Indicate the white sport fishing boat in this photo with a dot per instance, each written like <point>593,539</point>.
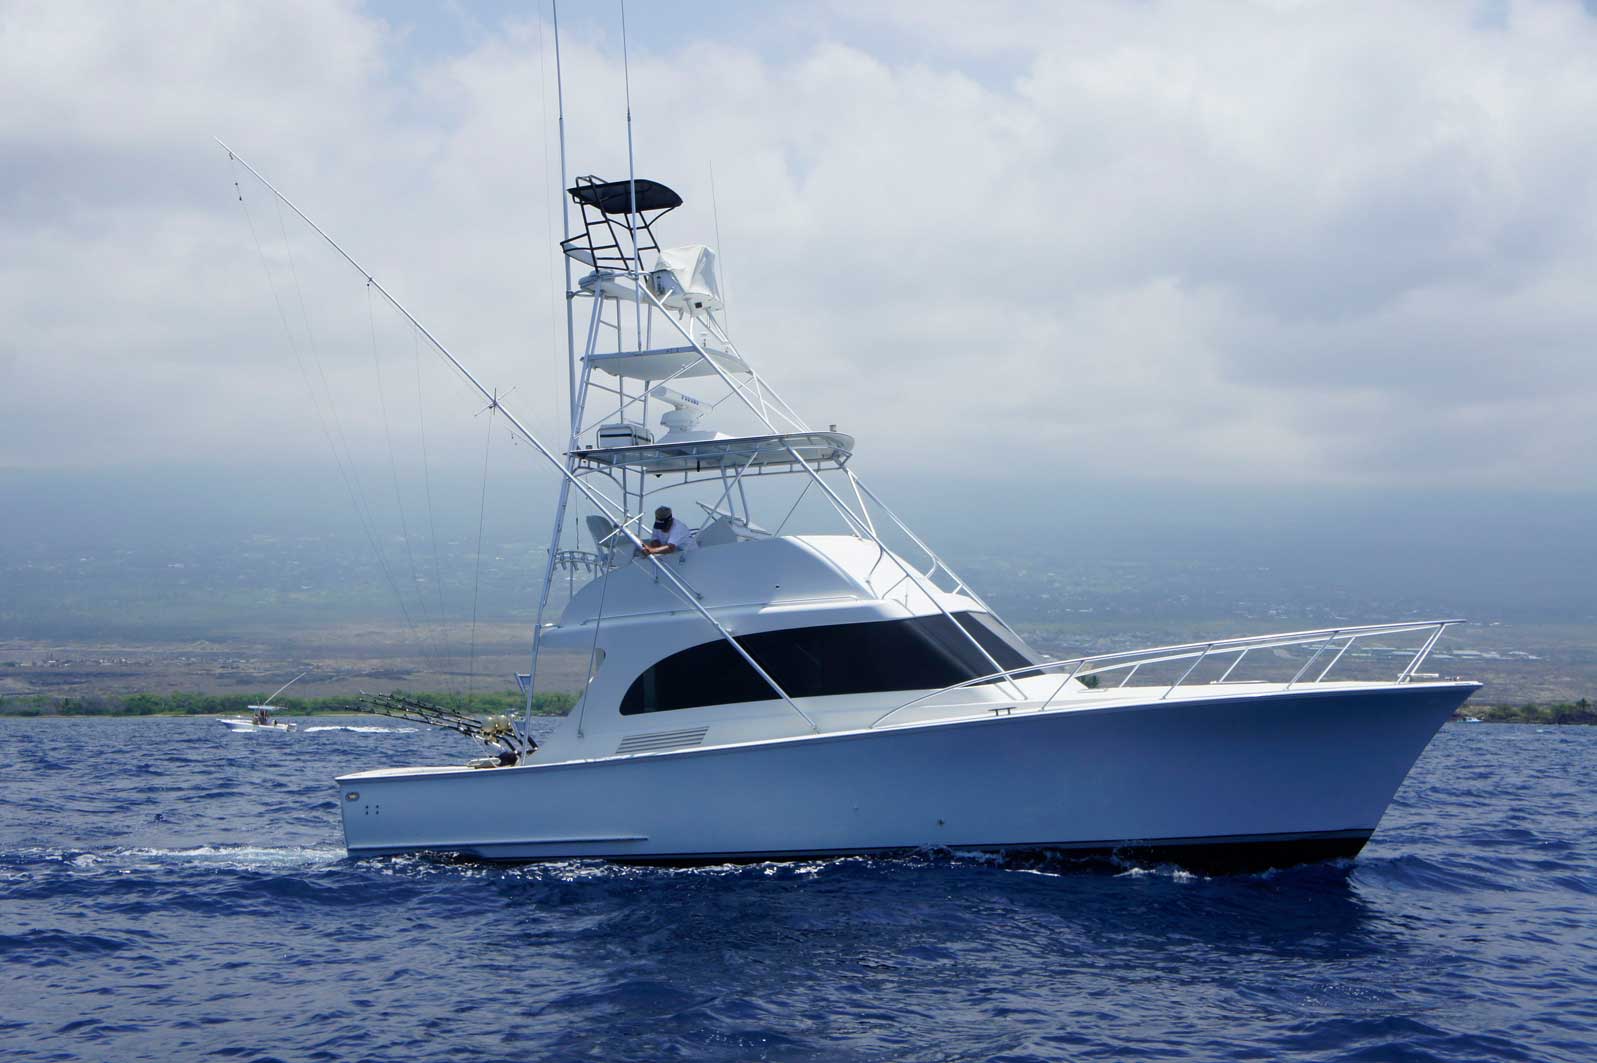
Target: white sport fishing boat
<point>767,692</point>
<point>771,691</point>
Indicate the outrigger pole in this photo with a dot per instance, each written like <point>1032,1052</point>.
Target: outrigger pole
<point>285,686</point>
<point>604,505</point>
<point>571,384</point>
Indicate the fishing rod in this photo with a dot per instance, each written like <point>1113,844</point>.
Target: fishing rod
<point>496,731</point>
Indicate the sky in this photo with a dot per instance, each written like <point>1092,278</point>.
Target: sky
<point>1257,246</point>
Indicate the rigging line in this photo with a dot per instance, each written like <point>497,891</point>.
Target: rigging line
<point>310,388</point>
<point>426,481</point>
<point>282,314</point>
<point>643,398</point>
<point>571,360</point>
<point>548,212</point>
<point>598,622</point>
<point>310,342</point>
<point>476,575</point>
<point>288,331</point>
<point>838,504</point>
<point>764,388</point>
<point>294,345</point>
<point>720,249</point>
<point>358,494</point>
<point>393,469</point>
<point>796,501</point>
<point>678,586</point>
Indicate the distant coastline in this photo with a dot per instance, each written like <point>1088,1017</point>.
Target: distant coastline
<point>1562,712</point>
<point>510,702</point>
<point>188,703</point>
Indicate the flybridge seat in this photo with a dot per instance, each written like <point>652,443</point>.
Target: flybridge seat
<point>726,528</point>
<point>735,452</point>
<point>612,547</point>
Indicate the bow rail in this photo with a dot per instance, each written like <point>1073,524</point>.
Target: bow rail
<point>1130,661</point>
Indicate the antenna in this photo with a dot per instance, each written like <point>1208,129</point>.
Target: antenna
<point>565,222</point>
<point>632,188</point>
<point>720,250</point>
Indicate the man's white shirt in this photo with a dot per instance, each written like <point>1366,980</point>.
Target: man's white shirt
<point>678,535</point>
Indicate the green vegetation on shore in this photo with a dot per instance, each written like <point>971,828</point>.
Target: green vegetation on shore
<point>1582,711</point>
<point>510,702</point>
<point>181,703</point>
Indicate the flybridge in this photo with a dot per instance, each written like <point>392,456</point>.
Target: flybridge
<point>656,323</point>
<point>821,449</point>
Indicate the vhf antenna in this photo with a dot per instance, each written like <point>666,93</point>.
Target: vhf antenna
<point>632,189</point>
<point>565,222</point>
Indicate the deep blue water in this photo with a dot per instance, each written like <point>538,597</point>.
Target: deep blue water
<point>170,891</point>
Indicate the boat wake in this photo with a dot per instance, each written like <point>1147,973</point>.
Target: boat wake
<point>354,729</point>
<point>18,864</point>
<point>224,857</point>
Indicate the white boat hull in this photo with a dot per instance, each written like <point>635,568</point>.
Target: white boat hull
<point>244,726</point>
<point>1256,779</point>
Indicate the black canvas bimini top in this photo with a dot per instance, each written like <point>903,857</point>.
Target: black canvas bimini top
<point>615,197</point>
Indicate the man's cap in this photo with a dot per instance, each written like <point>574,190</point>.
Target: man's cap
<point>663,513</point>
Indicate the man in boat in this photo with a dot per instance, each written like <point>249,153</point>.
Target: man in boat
<point>262,718</point>
<point>670,535</point>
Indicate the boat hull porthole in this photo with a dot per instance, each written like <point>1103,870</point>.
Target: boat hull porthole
<point>353,795</point>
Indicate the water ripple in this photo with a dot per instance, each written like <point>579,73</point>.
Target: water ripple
<point>184,895</point>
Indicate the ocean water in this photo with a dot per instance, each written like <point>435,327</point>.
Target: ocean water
<point>170,891</point>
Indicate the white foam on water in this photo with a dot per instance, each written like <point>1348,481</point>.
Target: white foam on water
<point>1175,874</point>
<point>807,868</point>
<point>362,730</point>
<point>973,856</point>
<point>245,857</point>
<point>230,857</point>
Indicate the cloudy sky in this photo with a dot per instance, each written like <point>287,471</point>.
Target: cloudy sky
<point>1261,244</point>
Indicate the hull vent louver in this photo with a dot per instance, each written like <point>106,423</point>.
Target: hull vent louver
<point>658,740</point>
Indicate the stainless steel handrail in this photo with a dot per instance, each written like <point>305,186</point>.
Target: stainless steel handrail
<point>1135,659</point>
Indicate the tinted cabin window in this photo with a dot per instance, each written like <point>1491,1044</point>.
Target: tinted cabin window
<point>912,654</point>
<point>1004,647</point>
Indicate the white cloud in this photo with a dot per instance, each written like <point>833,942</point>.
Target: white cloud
<point>1264,243</point>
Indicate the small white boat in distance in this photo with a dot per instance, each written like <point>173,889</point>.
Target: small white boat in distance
<point>260,718</point>
<point>240,726</point>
